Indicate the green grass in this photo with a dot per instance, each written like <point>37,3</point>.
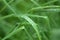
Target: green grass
<point>29,19</point>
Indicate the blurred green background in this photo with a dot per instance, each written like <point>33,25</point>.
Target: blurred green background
<point>29,19</point>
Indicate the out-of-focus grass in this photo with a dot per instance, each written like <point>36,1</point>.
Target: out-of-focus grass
<point>29,19</point>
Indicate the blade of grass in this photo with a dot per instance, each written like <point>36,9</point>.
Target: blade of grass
<point>14,28</point>
<point>42,7</point>
<point>44,17</point>
<point>49,2</point>
<point>10,7</point>
<point>13,32</point>
<point>54,22</point>
<point>37,16</point>
<point>4,17</point>
<point>35,2</point>
<point>5,6</point>
<point>34,25</point>
<point>28,34</point>
<point>47,21</point>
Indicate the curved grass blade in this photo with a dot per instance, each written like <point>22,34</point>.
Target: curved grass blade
<point>34,25</point>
